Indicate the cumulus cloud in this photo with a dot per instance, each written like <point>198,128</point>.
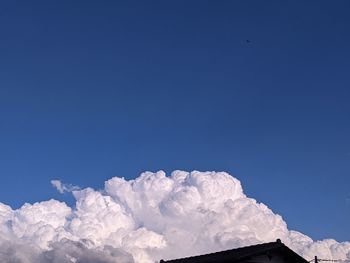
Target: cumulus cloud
<point>149,218</point>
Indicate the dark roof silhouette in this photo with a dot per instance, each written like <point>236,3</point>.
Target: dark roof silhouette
<point>245,254</point>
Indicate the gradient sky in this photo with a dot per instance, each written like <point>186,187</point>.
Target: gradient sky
<point>95,89</point>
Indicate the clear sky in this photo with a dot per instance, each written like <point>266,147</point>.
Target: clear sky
<point>95,89</point>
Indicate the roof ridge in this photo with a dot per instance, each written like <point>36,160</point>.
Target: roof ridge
<point>277,242</point>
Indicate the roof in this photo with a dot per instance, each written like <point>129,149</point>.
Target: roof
<point>244,253</point>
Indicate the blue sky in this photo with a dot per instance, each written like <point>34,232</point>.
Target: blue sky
<point>92,90</point>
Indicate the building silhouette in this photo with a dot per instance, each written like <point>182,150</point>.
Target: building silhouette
<point>273,252</point>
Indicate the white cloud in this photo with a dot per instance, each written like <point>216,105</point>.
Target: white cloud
<point>60,187</point>
<point>151,217</point>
